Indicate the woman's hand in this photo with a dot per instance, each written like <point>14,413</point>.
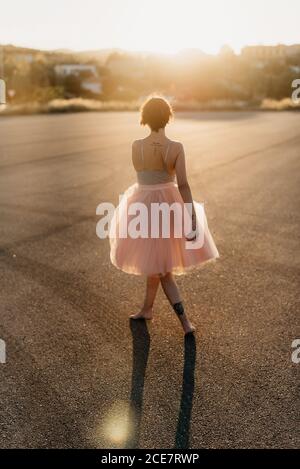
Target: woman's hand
<point>191,239</point>
<point>193,234</point>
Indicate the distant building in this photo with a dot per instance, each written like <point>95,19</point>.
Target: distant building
<point>90,78</point>
<point>92,85</point>
<point>27,58</point>
<point>263,53</point>
<point>295,68</point>
<point>2,92</point>
<point>74,69</point>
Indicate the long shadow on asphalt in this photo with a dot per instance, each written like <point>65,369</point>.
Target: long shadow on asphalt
<point>187,393</point>
<point>141,346</point>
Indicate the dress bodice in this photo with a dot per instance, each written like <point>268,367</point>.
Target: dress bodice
<point>155,176</point>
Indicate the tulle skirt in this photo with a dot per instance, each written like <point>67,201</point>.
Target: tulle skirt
<point>151,250</point>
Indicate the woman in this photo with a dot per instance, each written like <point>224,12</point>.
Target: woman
<point>157,160</point>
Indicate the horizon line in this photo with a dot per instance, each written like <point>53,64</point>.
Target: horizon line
<point>147,51</point>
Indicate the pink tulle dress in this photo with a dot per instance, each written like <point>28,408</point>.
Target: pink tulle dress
<point>145,254</point>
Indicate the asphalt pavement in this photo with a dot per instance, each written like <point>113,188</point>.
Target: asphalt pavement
<point>78,373</point>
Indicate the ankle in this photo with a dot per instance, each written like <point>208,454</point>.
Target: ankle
<point>184,319</point>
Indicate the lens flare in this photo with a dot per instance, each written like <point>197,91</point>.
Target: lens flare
<point>118,423</point>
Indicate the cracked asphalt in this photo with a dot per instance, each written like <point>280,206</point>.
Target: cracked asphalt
<point>78,373</point>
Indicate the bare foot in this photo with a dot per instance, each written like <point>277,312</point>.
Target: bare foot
<point>143,314</point>
<point>187,326</point>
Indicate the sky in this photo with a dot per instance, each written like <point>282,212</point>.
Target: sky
<point>166,26</point>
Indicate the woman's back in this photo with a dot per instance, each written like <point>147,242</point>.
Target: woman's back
<point>148,230</point>
<point>152,162</point>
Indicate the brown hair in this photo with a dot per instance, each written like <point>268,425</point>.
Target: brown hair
<point>156,111</point>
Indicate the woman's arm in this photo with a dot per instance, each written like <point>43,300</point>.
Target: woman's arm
<point>183,184</point>
<point>133,153</point>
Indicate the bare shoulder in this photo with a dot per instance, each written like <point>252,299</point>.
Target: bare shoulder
<point>177,146</point>
<point>135,148</point>
<point>135,143</point>
<point>135,151</point>
<point>178,149</point>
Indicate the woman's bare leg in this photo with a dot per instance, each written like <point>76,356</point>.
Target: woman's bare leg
<point>171,291</point>
<point>146,311</point>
